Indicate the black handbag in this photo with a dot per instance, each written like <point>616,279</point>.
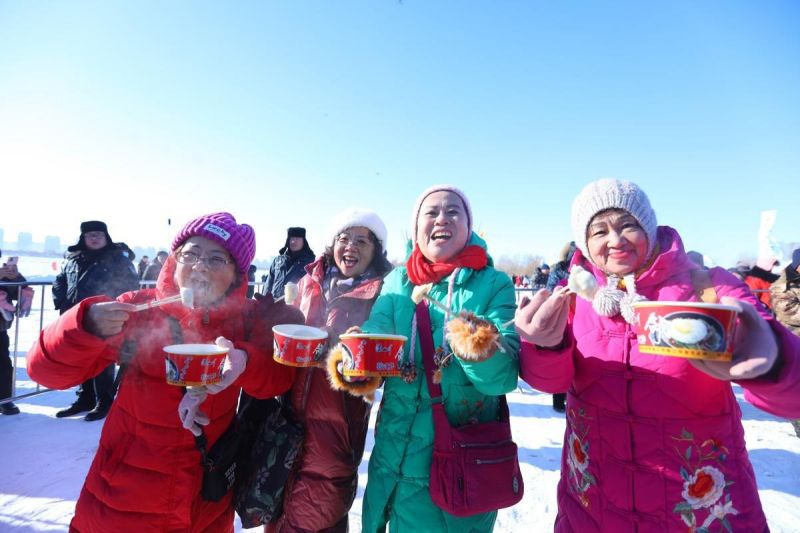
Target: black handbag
<point>220,463</point>
<point>274,438</point>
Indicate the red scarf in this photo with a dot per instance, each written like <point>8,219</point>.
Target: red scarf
<point>421,271</point>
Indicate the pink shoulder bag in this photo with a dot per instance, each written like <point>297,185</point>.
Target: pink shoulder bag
<point>475,468</point>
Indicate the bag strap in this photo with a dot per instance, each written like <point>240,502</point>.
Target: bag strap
<point>703,287</point>
<point>425,332</point>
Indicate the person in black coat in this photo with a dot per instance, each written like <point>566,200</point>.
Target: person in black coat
<point>95,265</point>
<point>8,272</point>
<point>290,265</point>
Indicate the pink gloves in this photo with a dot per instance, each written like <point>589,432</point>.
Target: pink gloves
<point>755,348</point>
<point>25,301</point>
<point>189,408</point>
<point>235,364</point>
<point>541,320</point>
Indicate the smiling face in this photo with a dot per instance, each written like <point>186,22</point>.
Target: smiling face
<point>617,243</point>
<point>353,250</point>
<point>208,284</point>
<point>442,226</point>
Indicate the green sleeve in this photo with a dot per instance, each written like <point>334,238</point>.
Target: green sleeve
<point>498,374</point>
<point>382,316</point>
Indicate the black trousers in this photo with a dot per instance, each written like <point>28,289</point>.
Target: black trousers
<point>6,368</point>
<point>98,390</point>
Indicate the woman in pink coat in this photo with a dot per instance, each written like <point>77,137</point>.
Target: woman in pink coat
<point>652,443</point>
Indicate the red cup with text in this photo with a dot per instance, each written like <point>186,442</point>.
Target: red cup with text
<point>298,345</point>
<point>367,354</point>
<point>692,330</point>
<point>190,365</point>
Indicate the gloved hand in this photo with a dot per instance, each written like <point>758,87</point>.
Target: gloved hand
<point>541,320</point>
<point>235,363</point>
<point>6,308</point>
<point>25,301</point>
<point>191,418</point>
<point>106,319</point>
<point>357,386</point>
<point>473,338</point>
<point>755,348</point>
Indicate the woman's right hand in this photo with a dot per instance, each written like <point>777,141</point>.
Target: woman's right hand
<point>106,319</point>
<point>541,320</point>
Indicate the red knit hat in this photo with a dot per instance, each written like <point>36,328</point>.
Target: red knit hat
<point>238,239</point>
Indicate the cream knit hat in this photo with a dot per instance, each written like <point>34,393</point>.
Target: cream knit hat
<point>609,193</point>
<point>437,188</point>
<point>358,217</point>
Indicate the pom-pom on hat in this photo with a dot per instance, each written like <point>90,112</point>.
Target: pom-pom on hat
<point>437,188</point>
<point>238,239</point>
<point>355,217</point>
<point>609,193</point>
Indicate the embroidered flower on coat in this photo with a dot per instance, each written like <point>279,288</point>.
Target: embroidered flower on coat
<point>704,485</point>
<point>580,479</point>
<point>578,454</point>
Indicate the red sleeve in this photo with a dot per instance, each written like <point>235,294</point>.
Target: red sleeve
<point>264,377</point>
<point>546,370</point>
<point>65,354</point>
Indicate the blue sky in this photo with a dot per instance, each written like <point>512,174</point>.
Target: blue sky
<point>285,113</point>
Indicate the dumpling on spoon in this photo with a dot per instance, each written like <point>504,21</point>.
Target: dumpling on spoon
<point>582,283</point>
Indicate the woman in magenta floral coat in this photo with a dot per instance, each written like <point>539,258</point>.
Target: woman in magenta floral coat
<point>652,443</point>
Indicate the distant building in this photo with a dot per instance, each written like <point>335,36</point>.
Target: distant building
<point>52,244</point>
<point>25,242</point>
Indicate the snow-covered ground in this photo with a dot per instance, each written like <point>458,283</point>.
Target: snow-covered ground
<point>44,460</point>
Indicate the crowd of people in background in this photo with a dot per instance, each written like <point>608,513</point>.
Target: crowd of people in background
<point>620,405</point>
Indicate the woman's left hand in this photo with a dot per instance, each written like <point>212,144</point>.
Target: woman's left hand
<point>755,347</point>
<point>235,363</point>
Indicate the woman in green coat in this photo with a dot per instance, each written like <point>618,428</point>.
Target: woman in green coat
<point>451,258</point>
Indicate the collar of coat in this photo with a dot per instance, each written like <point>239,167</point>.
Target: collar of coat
<point>366,290</point>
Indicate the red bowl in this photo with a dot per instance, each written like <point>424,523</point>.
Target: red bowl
<point>693,330</point>
<point>298,345</point>
<point>367,354</point>
<point>194,364</point>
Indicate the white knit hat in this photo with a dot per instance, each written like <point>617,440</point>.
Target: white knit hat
<point>437,188</point>
<point>358,217</point>
<point>609,193</point>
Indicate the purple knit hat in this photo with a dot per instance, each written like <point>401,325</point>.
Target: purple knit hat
<point>238,239</point>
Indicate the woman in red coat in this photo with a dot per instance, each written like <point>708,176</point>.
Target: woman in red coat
<point>337,292</point>
<point>146,475</point>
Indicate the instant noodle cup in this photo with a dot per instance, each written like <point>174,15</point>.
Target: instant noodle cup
<point>190,365</point>
<point>693,330</point>
<point>298,345</point>
<point>367,354</point>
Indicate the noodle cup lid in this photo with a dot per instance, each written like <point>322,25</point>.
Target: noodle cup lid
<point>374,336</point>
<point>195,349</point>
<point>299,332</point>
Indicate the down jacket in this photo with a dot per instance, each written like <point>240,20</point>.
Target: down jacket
<point>146,475</point>
<point>399,466</point>
<point>651,443</point>
<point>322,485</point>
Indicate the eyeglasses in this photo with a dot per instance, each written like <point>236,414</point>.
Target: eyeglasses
<point>215,262</point>
<point>344,241</point>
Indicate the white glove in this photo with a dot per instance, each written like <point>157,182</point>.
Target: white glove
<point>191,418</point>
<point>235,363</point>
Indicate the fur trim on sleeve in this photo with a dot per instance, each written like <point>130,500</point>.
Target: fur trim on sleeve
<point>472,338</point>
<point>366,389</point>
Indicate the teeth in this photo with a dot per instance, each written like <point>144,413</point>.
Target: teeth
<point>441,235</point>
